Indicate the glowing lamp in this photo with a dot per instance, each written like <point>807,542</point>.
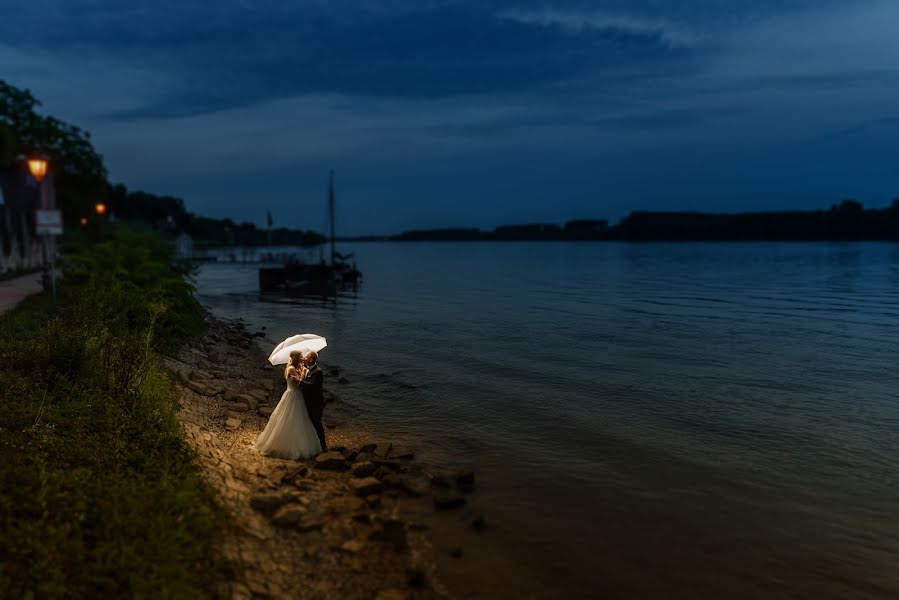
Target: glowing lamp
<point>83,221</point>
<point>38,168</point>
<point>100,208</point>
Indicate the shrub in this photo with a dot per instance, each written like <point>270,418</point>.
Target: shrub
<point>99,494</point>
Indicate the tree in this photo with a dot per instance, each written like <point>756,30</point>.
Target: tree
<point>79,172</point>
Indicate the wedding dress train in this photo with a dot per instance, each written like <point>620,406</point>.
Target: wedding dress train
<point>289,433</point>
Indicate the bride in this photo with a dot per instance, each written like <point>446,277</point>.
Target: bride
<point>289,433</point>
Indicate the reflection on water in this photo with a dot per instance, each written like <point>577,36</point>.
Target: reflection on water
<point>674,420</point>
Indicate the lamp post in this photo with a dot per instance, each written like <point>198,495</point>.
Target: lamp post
<point>100,209</point>
<point>37,166</point>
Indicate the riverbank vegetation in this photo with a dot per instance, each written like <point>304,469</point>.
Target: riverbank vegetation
<point>99,494</point>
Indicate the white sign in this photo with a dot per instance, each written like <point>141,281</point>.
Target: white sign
<point>48,222</point>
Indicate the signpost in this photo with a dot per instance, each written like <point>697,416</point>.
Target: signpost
<point>47,223</point>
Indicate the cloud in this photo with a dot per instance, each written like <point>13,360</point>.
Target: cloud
<point>670,33</point>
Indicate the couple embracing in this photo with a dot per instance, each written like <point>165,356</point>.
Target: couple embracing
<point>294,429</point>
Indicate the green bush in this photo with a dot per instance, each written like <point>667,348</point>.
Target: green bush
<point>99,494</point>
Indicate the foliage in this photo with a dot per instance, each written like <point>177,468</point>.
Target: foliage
<point>99,494</point>
<point>79,171</point>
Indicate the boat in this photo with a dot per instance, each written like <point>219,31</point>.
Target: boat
<point>295,275</point>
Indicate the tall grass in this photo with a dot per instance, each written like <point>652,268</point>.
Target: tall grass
<point>99,494</point>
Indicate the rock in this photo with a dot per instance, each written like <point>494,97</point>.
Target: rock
<point>232,423</point>
<point>373,501</point>
<point>231,396</point>
<point>367,448</point>
<point>289,514</point>
<point>343,380</point>
<point>363,518</point>
<point>230,414</point>
<point>448,501</point>
<point>200,388</point>
<point>347,504</point>
<point>366,486</point>
<point>322,588</point>
<point>394,533</point>
<point>259,334</point>
<point>456,552</point>
<point>404,455</point>
<point>334,371</point>
<point>330,461</point>
<point>269,502</point>
<point>389,479</point>
<point>265,411</point>
<point>307,525</point>
<point>294,475</point>
<point>237,407</point>
<point>363,469</point>
<point>479,524</point>
<point>353,546</point>
<point>382,449</point>
<point>250,401</point>
<point>391,594</point>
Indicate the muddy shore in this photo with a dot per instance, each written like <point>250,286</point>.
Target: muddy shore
<point>349,523</point>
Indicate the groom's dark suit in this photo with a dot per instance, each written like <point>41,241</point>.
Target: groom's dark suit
<point>315,401</point>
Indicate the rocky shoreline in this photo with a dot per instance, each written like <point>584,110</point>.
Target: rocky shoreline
<point>345,524</point>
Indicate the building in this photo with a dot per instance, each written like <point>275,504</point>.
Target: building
<point>184,246</point>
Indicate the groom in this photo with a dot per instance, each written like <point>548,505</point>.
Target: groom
<point>312,394</point>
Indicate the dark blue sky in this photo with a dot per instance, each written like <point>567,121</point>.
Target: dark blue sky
<point>473,112</point>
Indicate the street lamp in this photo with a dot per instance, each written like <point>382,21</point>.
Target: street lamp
<point>100,209</point>
<point>38,168</point>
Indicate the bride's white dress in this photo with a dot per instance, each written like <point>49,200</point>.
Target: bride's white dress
<point>289,432</point>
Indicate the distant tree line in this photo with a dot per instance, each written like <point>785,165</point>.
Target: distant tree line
<point>81,181</point>
<point>848,220</point>
<point>169,213</point>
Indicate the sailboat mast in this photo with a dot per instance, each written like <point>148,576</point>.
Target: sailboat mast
<point>331,212</point>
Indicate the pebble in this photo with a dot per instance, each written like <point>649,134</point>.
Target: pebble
<point>363,469</point>
<point>330,461</point>
<point>290,514</point>
<point>353,546</point>
<point>366,486</point>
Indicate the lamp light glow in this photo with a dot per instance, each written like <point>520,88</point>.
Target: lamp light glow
<point>38,168</point>
<point>100,208</point>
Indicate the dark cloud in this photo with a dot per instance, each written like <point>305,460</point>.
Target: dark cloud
<point>607,104</point>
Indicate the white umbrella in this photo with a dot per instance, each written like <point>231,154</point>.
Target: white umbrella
<point>305,342</point>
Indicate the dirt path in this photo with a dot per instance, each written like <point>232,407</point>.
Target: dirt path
<point>342,525</point>
<point>15,290</point>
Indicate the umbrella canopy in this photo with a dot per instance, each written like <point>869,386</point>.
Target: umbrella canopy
<point>305,342</point>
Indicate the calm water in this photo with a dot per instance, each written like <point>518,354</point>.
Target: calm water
<point>655,420</point>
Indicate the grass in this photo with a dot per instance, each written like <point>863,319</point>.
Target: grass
<point>99,494</point>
